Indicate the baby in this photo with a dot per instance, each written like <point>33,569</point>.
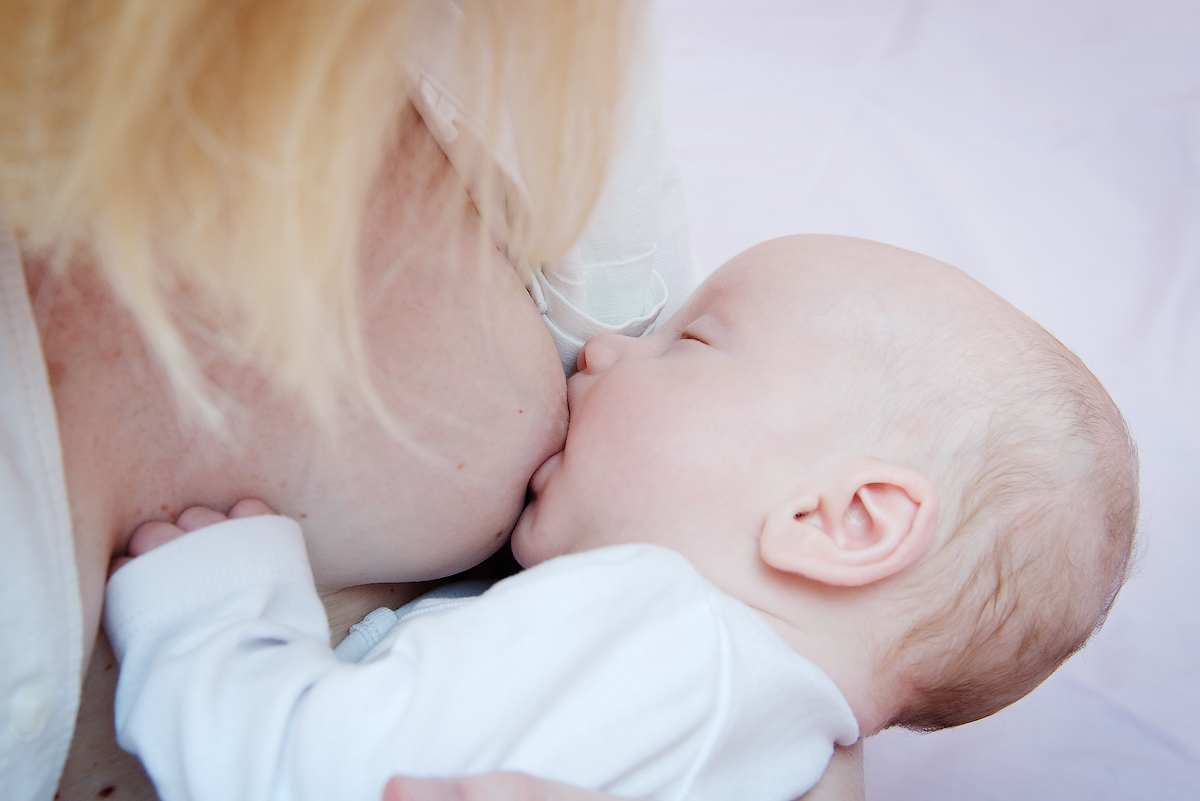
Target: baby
<point>845,487</point>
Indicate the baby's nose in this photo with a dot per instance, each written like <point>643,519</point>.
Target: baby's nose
<point>602,352</point>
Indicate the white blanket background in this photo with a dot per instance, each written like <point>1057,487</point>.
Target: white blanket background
<point>1051,148</point>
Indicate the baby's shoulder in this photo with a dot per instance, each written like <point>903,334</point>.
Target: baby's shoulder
<point>636,570</point>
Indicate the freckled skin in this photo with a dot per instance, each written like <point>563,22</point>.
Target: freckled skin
<point>455,345</point>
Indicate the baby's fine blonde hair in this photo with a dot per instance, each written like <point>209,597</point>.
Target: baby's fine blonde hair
<point>1038,478</point>
<point>223,151</point>
<point>1035,471</point>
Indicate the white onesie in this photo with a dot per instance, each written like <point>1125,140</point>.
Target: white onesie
<point>619,669</point>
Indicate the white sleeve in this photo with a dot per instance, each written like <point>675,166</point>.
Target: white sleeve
<point>229,689</point>
<point>200,626</point>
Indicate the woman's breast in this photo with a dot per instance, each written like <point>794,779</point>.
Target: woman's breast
<point>467,373</point>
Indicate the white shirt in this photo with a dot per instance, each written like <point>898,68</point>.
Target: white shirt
<point>619,669</point>
<point>41,613</point>
<point>633,265</point>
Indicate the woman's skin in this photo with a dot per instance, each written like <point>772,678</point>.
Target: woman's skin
<point>842,780</point>
<point>458,352</point>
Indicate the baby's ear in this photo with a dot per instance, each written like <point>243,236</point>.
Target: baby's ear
<point>864,522</point>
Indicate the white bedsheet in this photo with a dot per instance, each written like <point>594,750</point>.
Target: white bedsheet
<point>1052,149</point>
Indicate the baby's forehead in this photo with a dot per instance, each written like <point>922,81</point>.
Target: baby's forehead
<point>825,271</point>
<point>870,307</point>
<point>811,288</point>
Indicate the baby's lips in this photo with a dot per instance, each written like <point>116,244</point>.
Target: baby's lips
<point>542,474</point>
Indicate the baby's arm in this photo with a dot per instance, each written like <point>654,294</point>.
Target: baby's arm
<point>191,619</point>
<point>229,689</point>
<point>490,787</point>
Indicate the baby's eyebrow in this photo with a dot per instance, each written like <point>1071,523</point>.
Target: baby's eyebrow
<point>705,327</point>
<point>675,327</point>
<point>713,318</point>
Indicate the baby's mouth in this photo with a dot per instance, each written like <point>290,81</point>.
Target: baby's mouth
<point>540,476</point>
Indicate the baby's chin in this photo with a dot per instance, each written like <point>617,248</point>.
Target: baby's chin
<point>524,541</point>
<point>521,536</point>
<point>537,538</point>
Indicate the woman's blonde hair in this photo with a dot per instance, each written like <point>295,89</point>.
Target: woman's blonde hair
<point>225,149</point>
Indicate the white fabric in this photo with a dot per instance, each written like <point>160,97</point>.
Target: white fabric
<point>632,267</point>
<point>366,634</point>
<point>619,669</point>
<point>40,608</point>
<point>1050,148</point>
<point>41,616</point>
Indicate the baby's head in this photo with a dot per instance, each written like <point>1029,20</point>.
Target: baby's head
<point>922,490</point>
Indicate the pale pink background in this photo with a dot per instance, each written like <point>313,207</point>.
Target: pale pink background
<point>1052,149</point>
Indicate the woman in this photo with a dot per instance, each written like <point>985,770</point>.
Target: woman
<point>240,264</point>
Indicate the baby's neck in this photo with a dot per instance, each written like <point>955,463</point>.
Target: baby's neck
<point>831,627</point>
<point>845,666</point>
<point>835,628</point>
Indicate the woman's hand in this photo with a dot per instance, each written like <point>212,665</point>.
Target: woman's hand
<point>489,787</point>
<point>843,779</point>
